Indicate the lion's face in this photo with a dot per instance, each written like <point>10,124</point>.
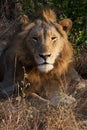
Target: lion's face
<point>46,44</point>
<point>45,39</point>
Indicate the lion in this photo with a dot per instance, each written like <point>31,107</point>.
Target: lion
<point>40,57</point>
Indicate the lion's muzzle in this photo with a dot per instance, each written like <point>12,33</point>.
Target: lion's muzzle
<point>45,66</point>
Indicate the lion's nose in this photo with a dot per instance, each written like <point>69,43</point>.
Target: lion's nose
<point>45,55</point>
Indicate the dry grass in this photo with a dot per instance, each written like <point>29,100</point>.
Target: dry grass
<point>18,114</point>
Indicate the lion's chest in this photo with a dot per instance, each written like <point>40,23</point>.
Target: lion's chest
<point>43,86</point>
<point>51,86</point>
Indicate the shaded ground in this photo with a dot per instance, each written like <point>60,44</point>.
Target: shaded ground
<point>81,62</point>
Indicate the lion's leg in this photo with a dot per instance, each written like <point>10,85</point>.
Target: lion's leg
<point>37,101</point>
<point>36,96</point>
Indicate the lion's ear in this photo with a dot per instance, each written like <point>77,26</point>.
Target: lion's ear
<point>23,20</point>
<point>66,24</point>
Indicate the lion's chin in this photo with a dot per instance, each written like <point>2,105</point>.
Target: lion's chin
<point>45,67</point>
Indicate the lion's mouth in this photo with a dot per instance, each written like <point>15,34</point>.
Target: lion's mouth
<point>44,63</point>
<point>45,67</point>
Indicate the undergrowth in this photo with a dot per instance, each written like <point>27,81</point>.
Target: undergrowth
<point>19,113</point>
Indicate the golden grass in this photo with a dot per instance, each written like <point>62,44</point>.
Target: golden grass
<point>21,114</point>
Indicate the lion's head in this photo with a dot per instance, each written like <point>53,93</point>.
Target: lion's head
<point>47,43</point>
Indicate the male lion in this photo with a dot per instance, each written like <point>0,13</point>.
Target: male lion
<point>41,57</point>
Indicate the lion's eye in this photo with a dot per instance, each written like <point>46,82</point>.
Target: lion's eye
<point>53,38</point>
<point>35,39</point>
